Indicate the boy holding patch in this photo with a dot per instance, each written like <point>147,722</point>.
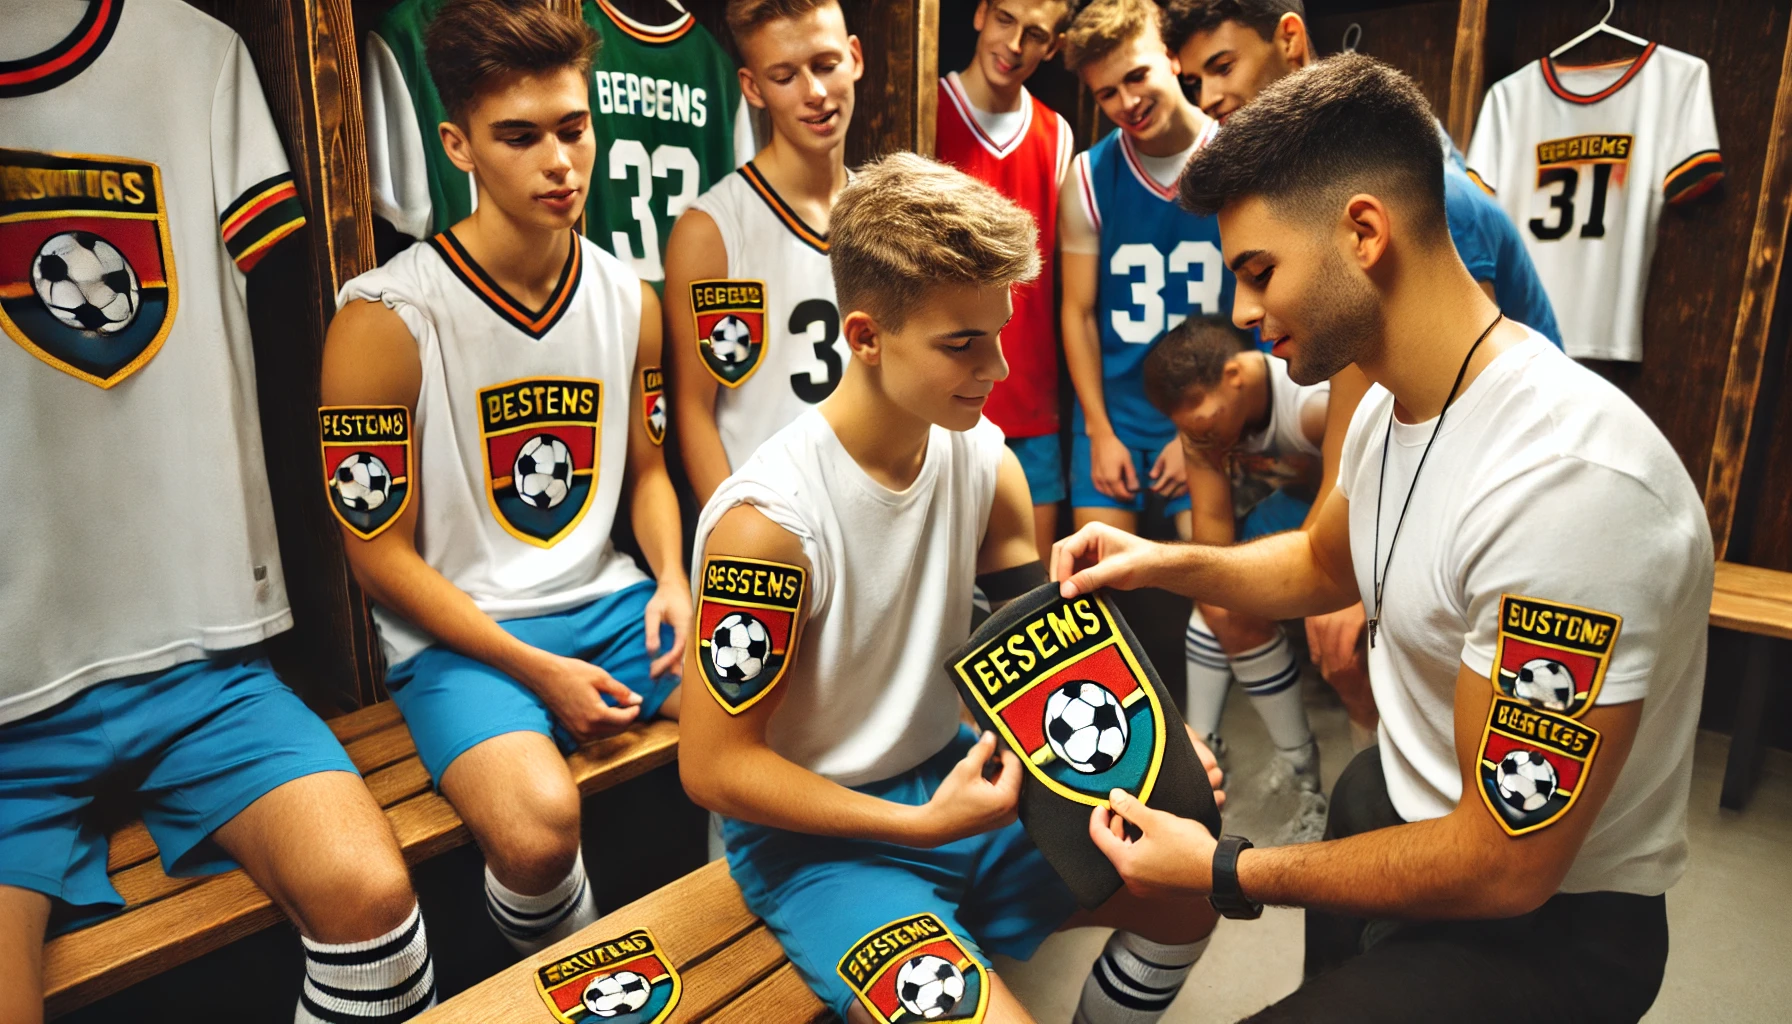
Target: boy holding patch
<point>868,828</point>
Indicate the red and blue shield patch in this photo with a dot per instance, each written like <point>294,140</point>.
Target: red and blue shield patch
<point>86,263</point>
<point>1532,764</point>
<point>746,627</point>
<point>542,438</point>
<point>1553,655</point>
<point>367,465</point>
<point>915,969</point>
<point>653,403</point>
<point>730,318</point>
<point>626,980</point>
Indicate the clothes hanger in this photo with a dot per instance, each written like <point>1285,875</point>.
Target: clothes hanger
<point>1602,26</point>
<point>1352,36</point>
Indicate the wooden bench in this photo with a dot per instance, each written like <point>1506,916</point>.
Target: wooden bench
<point>732,968</point>
<point>169,921</point>
<point>1757,602</point>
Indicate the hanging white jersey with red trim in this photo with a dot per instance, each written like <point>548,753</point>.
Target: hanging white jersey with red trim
<point>1583,158</point>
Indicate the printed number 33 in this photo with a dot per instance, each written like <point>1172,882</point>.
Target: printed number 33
<point>1198,262</point>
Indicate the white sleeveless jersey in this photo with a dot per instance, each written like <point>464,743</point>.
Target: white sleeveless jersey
<point>136,191</point>
<point>521,428</point>
<point>867,697</point>
<point>803,353</point>
<point>1287,400</point>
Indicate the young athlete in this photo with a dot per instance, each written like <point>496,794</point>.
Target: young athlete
<point>517,351</point>
<point>865,824</point>
<point>142,569</point>
<point>993,129</point>
<point>749,302</point>
<point>1252,440</point>
<point>1538,569</point>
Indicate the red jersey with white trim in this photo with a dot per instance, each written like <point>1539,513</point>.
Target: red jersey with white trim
<point>1025,164</point>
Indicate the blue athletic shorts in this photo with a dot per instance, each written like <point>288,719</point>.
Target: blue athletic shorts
<point>206,738</point>
<point>820,896</point>
<point>1276,513</point>
<point>1082,485</point>
<point>453,703</point>
<point>1043,463</point>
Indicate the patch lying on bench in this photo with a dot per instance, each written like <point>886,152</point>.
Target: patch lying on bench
<point>916,969</point>
<point>625,980</point>
<point>1067,687</point>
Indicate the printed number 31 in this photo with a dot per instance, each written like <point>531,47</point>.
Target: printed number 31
<point>1563,202</point>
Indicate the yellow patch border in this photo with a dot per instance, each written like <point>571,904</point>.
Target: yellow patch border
<point>1482,764</point>
<point>764,327</point>
<point>1604,658</point>
<point>658,438</point>
<point>410,465</point>
<point>597,457</point>
<point>790,643</point>
<point>657,950</point>
<point>966,958</point>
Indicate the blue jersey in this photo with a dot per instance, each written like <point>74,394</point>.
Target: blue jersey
<point>1492,250</point>
<point>1159,265</point>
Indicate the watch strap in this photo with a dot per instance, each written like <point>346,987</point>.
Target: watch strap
<point>1228,897</point>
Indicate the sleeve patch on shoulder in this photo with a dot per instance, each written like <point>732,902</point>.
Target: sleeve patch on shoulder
<point>367,464</point>
<point>1551,655</point>
<point>746,627</point>
<point>1532,764</point>
<point>915,969</point>
<point>730,317</point>
<point>260,218</point>
<point>653,403</point>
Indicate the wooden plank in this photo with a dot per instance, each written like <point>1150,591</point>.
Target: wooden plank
<point>1468,71</point>
<point>1753,580</point>
<point>368,720</point>
<point>1760,616</point>
<point>146,883</point>
<point>398,783</point>
<point>927,74</point>
<point>613,761</point>
<point>1748,344</point>
<point>782,997</point>
<point>127,845</point>
<point>714,983</point>
<point>1417,38</point>
<point>386,747</point>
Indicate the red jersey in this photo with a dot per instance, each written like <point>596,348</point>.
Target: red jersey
<point>1026,166</point>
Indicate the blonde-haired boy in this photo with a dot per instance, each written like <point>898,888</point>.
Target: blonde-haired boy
<point>860,822</point>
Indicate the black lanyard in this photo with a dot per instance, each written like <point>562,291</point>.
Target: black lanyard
<point>1379,570</point>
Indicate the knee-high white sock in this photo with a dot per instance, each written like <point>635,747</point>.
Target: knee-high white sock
<point>533,923</point>
<point>1272,679</point>
<point>389,978</point>
<point>1135,980</point>
<point>1209,675</point>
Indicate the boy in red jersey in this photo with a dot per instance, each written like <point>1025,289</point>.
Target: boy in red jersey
<point>993,129</point>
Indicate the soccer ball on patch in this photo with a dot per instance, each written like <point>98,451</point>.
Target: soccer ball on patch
<point>656,416</point>
<point>85,283</point>
<point>1085,725</point>
<point>929,985</point>
<point>543,471</point>
<point>1545,681</point>
<point>362,482</point>
<point>730,340</point>
<point>611,995</point>
<point>1526,779</point>
<point>739,647</point>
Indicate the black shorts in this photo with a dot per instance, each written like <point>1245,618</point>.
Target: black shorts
<point>1581,957</point>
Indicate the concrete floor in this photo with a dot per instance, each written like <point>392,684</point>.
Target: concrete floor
<point>1731,934</point>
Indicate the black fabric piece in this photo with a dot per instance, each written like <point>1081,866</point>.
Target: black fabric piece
<point>1008,584</point>
<point>1059,825</point>
<point>1471,971</point>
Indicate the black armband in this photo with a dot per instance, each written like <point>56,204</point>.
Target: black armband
<point>1008,584</point>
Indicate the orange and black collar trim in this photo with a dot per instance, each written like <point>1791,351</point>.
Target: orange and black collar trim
<point>534,323</point>
<point>1556,86</point>
<point>652,34</point>
<point>814,239</point>
<point>45,71</point>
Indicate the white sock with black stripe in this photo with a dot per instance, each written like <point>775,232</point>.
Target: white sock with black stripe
<point>1271,678</point>
<point>533,923</point>
<point>1209,676</point>
<point>1135,980</point>
<point>387,979</point>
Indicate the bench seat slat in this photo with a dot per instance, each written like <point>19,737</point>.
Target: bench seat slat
<point>713,984</point>
<point>782,997</point>
<point>1752,600</point>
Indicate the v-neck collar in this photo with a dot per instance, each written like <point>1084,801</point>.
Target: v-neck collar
<point>533,322</point>
<point>817,240</point>
<point>44,71</point>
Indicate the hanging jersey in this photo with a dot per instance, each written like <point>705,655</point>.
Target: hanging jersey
<point>139,529</point>
<point>779,284</point>
<point>1158,264</point>
<point>522,428</point>
<point>1279,457</point>
<point>665,105</point>
<point>1024,161</point>
<point>889,592</point>
<point>1584,159</point>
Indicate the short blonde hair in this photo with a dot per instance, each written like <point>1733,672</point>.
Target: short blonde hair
<point>1106,25</point>
<point>744,16</point>
<point>906,223</point>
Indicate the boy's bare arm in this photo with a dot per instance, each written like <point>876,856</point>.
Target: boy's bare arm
<point>694,252</point>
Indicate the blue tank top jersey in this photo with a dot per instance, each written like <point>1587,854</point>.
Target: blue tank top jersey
<point>1159,265</point>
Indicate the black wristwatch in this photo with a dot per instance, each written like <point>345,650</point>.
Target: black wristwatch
<point>1227,897</point>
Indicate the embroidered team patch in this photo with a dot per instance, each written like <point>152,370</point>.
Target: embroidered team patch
<point>542,438</point>
<point>1553,655</point>
<point>1532,764</point>
<point>746,624</point>
<point>730,317</point>
<point>626,980</point>
<point>1065,690</point>
<point>86,262</point>
<point>915,969</point>
<point>653,403</point>
<point>367,464</point>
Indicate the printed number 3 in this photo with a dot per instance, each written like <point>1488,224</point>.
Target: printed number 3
<point>1203,290</point>
<point>1563,202</point>
<point>628,155</point>
<point>804,319</point>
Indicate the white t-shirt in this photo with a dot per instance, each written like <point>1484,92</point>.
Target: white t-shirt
<point>889,595</point>
<point>1546,483</point>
